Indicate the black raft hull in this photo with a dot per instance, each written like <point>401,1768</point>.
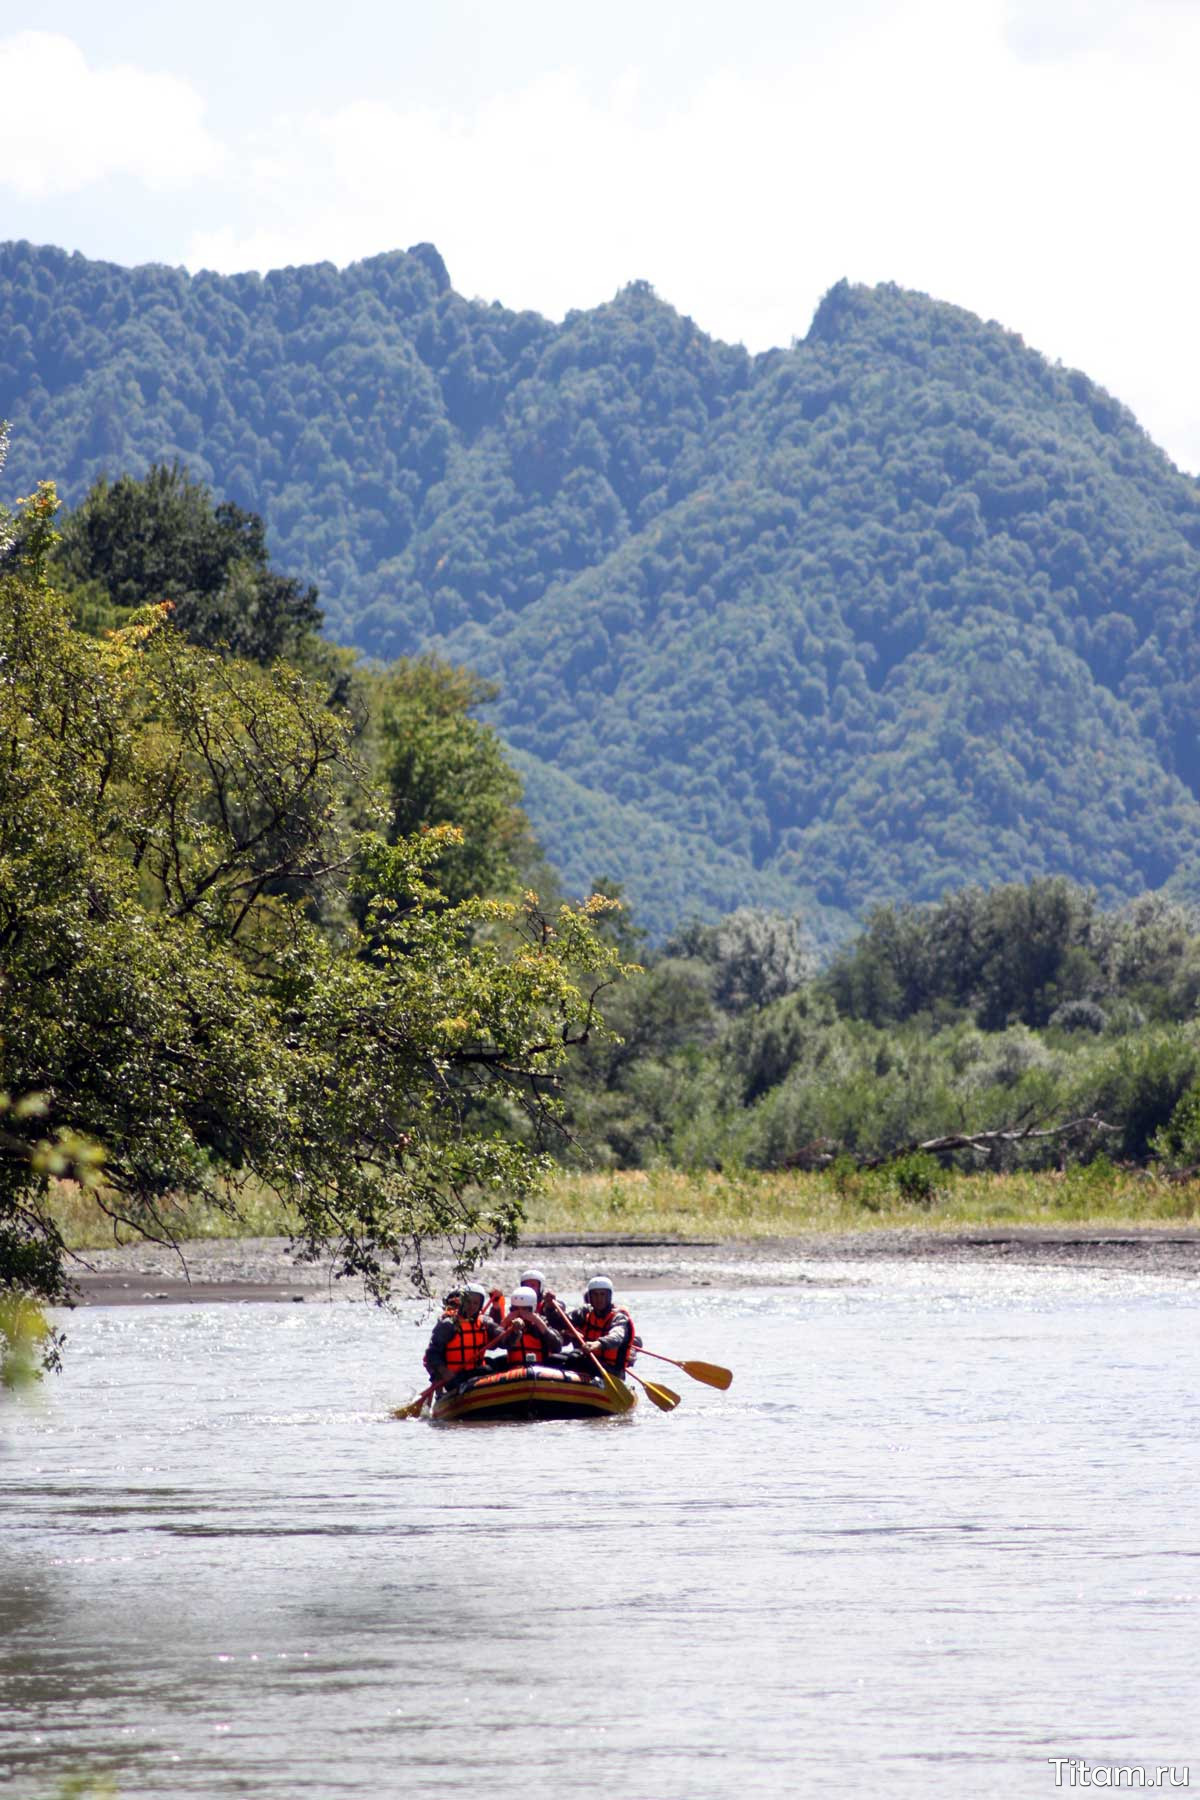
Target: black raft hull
<point>531,1393</point>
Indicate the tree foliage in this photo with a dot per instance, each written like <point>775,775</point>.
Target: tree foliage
<point>985,1021</point>
<point>439,764</point>
<point>1037,953</point>
<point>138,542</point>
<point>754,957</point>
<point>168,540</point>
<point>174,826</point>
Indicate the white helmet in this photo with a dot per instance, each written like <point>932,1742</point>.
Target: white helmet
<point>523,1296</point>
<point>531,1276</point>
<point>473,1287</point>
<point>601,1282</point>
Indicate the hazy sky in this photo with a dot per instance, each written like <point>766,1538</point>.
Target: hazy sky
<point>1034,160</point>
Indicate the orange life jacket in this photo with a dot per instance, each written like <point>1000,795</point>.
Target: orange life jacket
<point>528,1344</point>
<point>596,1325</point>
<point>465,1349</point>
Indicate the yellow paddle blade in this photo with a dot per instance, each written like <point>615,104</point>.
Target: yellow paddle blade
<point>712,1373</point>
<point>413,1409</point>
<point>665,1398</point>
<point>618,1393</point>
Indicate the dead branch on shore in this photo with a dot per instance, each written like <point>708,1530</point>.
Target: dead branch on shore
<point>822,1152</point>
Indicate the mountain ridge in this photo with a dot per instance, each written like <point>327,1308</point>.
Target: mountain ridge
<point>901,607</point>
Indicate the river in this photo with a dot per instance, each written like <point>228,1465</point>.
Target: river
<point>941,1530</point>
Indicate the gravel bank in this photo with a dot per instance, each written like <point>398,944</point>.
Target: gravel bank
<point>265,1269</point>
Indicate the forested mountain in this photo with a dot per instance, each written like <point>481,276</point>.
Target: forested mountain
<point>901,607</point>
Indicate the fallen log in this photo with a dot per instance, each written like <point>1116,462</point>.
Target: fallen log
<point>823,1151</point>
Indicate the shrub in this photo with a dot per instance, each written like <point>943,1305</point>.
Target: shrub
<point>1140,1085</point>
<point>1079,1015</point>
<point>1010,1055</point>
<point>1178,1141</point>
<point>846,1176</point>
<point>916,1177</point>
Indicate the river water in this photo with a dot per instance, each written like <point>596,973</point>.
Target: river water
<point>942,1529</point>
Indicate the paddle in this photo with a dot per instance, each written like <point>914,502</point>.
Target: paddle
<point>711,1373</point>
<point>665,1398</point>
<point>412,1410</point>
<point>618,1393</point>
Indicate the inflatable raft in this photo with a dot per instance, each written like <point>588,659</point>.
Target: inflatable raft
<point>532,1393</point>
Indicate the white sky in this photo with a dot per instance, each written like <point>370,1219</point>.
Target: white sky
<point>1030,159</point>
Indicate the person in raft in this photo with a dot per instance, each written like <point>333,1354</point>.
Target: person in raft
<point>460,1340</point>
<point>606,1329</point>
<point>535,1279</point>
<point>525,1337</point>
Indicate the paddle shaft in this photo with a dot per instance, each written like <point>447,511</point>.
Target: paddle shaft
<point>606,1375</point>
<point>577,1340</point>
<point>414,1406</point>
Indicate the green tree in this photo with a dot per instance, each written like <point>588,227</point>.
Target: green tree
<point>754,957</point>
<point>170,818</point>
<point>135,543</point>
<point>1013,952</point>
<point>439,765</point>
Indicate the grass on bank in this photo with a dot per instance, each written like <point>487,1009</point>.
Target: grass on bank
<point>85,1226</point>
<point>914,1193</point>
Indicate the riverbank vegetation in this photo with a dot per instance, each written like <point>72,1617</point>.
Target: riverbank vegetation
<point>744,1205</point>
<point>750,1204</point>
<point>1023,1027</point>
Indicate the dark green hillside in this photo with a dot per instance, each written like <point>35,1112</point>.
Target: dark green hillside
<point>426,460</point>
<point>920,609</point>
<point>667,873</point>
<point>900,608</point>
<point>301,395</point>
